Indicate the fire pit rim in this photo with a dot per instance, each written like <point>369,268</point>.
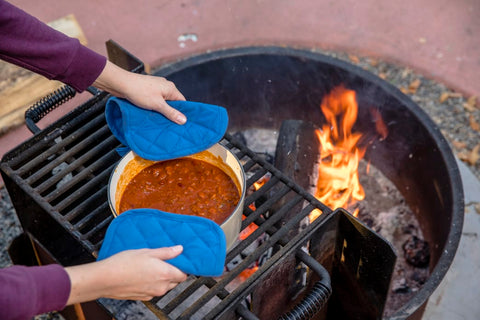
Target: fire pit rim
<point>456,223</point>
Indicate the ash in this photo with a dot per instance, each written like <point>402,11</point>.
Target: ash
<point>384,210</point>
<point>263,141</point>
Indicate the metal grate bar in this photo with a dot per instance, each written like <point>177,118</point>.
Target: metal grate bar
<point>93,214</point>
<point>86,188</point>
<point>263,208</point>
<point>247,260</point>
<point>258,175</point>
<point>180,298</point>
<point>100,226</point>
<point>191,289</point>
<point>249,164</point>
<point>75,165</point>
<point>58,146</point>
<point>66,156</point>
<point>80,209</point>
<point>99,165</point>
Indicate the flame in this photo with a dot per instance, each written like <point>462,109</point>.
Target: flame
<point>252,226</point>
<point>245,274</point>
<point>245,233</point>
<point>338,184</point>
<point>260,182</point>
<point>314,214</point>
<point>248,230</point>
<point>380,125</point>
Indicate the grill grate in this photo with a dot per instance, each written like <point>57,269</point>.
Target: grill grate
<point>58,184</point>
<point>65,170</point>
<point>62,173</point>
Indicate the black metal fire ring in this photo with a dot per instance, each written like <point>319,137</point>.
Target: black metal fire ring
<point>456,223</point>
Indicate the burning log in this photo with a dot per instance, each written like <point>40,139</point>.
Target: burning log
<point>297,151</point>
<point>296,154</point>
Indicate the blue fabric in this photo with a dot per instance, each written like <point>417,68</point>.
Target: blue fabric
<point>203,241</point>
<point>154,137</point>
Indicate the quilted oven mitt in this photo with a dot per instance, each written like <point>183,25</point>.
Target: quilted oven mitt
<point>204,243</point>
<point>154,137</point>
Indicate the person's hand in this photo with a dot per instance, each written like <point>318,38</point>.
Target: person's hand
<point>145,91</point>
<point>134,274</point>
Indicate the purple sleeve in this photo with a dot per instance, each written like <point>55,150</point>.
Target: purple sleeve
<point>29,291</point>
<point>31,44</point>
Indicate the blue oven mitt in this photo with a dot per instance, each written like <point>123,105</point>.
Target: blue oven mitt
<point>154,137</point>
<point>203,241</point>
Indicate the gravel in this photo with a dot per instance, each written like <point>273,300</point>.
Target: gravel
<point>9,227</point>
<point>455,116</point>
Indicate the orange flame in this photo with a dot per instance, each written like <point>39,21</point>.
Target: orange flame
<point>245,233</point>
<point>245,274</point>
<point>248,230</point>
<point>252,227</point>
<point>260,182</point>
<point>338,184</point>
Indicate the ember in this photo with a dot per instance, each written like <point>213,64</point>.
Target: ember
<point>416,252</point>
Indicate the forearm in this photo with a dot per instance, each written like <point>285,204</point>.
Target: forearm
<point>104,280</point>
<point>114,79</point>
<point>88,282</point>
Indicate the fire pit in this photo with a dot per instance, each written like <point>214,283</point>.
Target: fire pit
<point>58,184</point>
<point>263,86</point>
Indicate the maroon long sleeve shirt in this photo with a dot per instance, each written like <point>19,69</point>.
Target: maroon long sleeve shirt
<point>29,43</point>
<point>28,291</point>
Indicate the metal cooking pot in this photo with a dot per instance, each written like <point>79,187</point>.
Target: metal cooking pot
<point>131,164</point>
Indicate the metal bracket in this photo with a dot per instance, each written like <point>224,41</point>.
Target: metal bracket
<point>122,58</point>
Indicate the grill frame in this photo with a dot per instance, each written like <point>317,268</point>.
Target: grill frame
<point>35,213</point>
<point>61,213</point>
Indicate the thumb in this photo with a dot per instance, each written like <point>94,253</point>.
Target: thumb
<point>167,252</point>
<point>171,113</point>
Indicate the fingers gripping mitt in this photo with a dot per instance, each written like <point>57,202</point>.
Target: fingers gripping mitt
<point>203,241</point>
<point>154,137</point>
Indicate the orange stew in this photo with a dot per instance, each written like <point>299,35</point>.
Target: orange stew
<point>185,186</point>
